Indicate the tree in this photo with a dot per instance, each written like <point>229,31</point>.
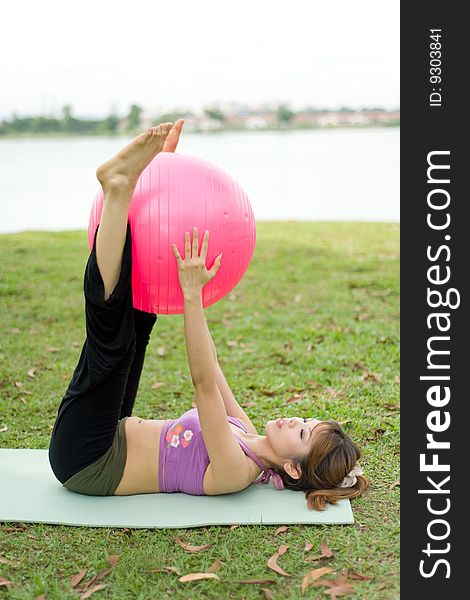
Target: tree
<point>214,113</point>
<point>110,124</point>
<point>66,112</point>
<point>170,117</point>
<point>134,117</point>
<point>284,115</point>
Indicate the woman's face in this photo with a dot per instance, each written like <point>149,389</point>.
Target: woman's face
<point>291,436</point>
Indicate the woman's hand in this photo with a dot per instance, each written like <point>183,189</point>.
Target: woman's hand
<point>192,272</point>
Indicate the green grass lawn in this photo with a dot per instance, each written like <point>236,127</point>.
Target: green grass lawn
<point>315,319</point>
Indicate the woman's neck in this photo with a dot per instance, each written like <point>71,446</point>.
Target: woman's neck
<point>260,446</point>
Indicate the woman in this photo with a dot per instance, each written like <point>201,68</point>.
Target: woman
<point>98,448</point>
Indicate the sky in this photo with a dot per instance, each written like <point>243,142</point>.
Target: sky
<point>101,56</point>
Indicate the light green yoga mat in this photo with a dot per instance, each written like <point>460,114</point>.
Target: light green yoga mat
<point>29,492</point>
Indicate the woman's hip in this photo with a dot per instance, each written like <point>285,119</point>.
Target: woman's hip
<point>102,477</point>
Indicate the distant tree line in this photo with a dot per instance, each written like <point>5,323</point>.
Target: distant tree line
<point>130,123</point>
<point>69,124</point>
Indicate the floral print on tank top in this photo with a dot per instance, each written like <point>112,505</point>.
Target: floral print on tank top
<point>174,438</point>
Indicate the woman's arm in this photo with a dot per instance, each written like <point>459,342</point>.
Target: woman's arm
<point>198,346</point>
<point>228,465</point>
<point>232,407</point>
<point>193,276</point>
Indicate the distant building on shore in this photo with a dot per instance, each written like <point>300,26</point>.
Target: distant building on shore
<point>265,120</point>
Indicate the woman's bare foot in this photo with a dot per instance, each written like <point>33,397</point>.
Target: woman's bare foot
<point>173,137</point>
<point>121,172</point>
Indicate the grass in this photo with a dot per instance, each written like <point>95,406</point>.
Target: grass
<point>319,303</point>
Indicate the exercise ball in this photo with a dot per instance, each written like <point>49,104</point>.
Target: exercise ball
<point>175,193</point>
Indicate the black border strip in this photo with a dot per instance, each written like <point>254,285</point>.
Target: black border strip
<point>434,269</point>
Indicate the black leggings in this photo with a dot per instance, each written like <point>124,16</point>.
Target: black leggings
<point>104,384</point>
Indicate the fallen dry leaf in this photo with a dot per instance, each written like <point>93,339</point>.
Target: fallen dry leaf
<point>5,561</point>
<point>16,527</point>
<point>14,330</point>
<point>340,590</point>
<point>234,526</point>
<point>353,575</point>
<point>75,579</point>
<point>248,404</point>
<point>379,292</point>
<point>31,372</point>
<point>18,384</point>
<point>216,565</point>
<point>272,561</point>
<point>256,581</point>
<point>281,529</point>
<point>395,484</point>
<point>312,576</point>
<point>386,292</point>
<point>95,588</point>
<point>155,386</point>
<point>325,550</point>
<point>161,351</point>
<point>102,574</point>
<point>5,583</point>
<point>295,398</point>
<point>335,393</point>
<point>308,546</point>
<point>3,428</point>
<point>376,433</point>
<point>190,548</point>
<point>369,375</point>
<point>313,384</point>
<point>267,594</point>
<point>324,582</point>
<point>97,577</point>
<point>166,570</point>
<point>269,393</point>
<point>297,298</point>
<point>314,558</point>
<point>52,349</point>
<point>113,559</point>
<point>198,576</point>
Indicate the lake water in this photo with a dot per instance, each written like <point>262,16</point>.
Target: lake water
<point>313,175</point>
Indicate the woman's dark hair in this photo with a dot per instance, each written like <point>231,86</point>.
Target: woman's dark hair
<point>331,457</point>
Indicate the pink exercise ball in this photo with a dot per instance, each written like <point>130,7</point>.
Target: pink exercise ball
<point>175,193</point>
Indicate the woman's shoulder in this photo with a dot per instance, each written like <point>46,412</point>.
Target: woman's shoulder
<point>245,476</point>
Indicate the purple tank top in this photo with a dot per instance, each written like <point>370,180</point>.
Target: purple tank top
<point>183,457</point>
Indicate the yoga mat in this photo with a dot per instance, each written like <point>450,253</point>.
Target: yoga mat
<point>29,492</point>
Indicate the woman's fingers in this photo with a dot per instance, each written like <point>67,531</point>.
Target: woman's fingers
<point>205,245</point>
<point>215,266</point>
<point>176,252</point>
<point>195,244</point>
<point>192,249</point>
